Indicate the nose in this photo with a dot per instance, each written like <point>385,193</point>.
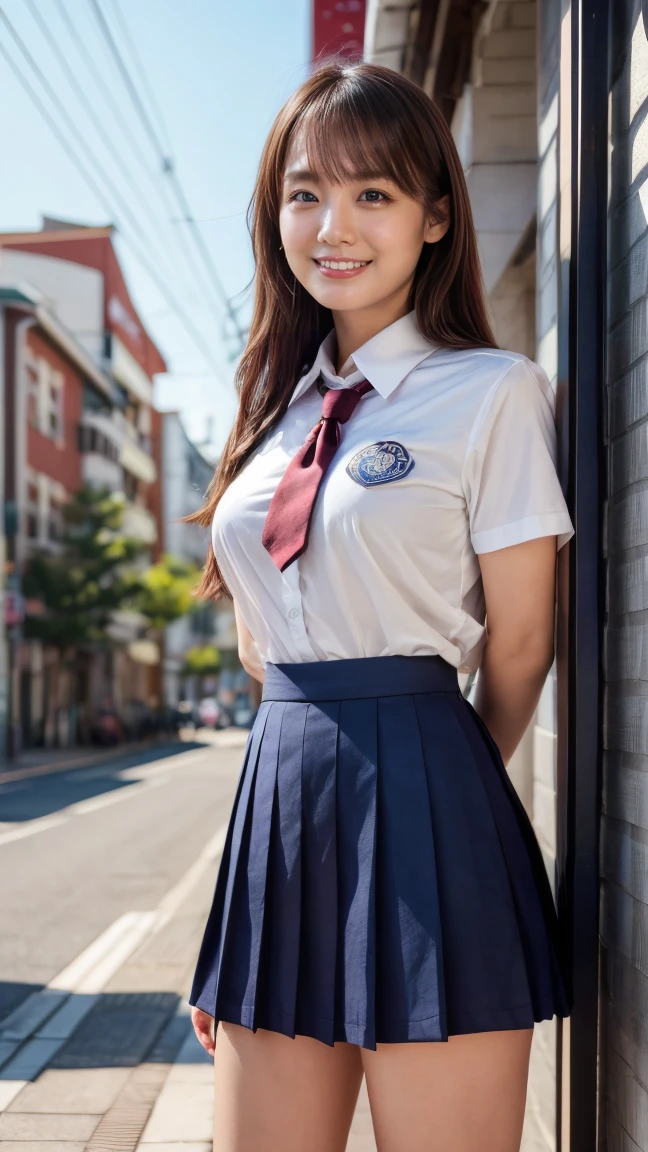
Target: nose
<point>337,224</point>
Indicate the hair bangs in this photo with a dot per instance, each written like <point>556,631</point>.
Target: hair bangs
<point>347,138</point>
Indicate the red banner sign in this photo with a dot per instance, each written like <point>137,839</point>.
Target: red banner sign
<point>338,28</point>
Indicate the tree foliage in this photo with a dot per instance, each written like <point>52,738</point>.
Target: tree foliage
<point>203,660</point>
<point>166,591</point>
<point>89,578</point>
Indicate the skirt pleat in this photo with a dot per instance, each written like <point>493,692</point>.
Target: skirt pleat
<point>380,881</point>
<point>356,844</point>
<point>534,904</point>
<point>487,985</point>
<point>235,933</point>
<point>315,1009</point>
<point>282,924</point>
<point>411,1001</point>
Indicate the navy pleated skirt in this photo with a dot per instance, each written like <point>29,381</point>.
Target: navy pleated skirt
<point>380,881</point>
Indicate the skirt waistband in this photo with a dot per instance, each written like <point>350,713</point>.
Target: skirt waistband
<point>358,679</point>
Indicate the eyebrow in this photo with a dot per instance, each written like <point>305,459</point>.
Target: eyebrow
<point>308,174</point>
<point>302,174</point>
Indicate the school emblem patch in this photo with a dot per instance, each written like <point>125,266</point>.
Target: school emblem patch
<point>380,463</point>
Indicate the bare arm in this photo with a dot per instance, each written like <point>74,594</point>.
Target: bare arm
<point>248,651</point>
<point>519,587</point>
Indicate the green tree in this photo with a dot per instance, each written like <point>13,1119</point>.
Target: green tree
<point>89,578</point>
<point>166,591</point>
<point>203,660</point>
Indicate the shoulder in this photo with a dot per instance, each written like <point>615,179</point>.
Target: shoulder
<point>484,379</point>
<point>483,368</point>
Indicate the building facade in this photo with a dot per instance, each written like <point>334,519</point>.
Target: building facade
<point>49,386</point>
<point>186,475</point>
<point>548,104</point>
<point>77,378</point>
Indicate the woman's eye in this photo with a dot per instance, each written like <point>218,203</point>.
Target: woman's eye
<point>374,196</point>
<point>297,197</point>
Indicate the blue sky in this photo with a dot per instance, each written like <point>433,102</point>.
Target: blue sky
<point>219,71</point>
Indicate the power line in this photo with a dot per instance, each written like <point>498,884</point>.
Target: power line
<point>137,60</point>
<point>74,83</point>
<point>103,87</point>
<point>168,168</point>
<point>185,252</point>
<point>190,328</point>
<point>76,134</point>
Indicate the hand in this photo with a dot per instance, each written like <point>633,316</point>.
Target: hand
<point>203,1025</point>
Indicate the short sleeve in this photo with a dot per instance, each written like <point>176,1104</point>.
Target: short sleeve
<point>510,481</point>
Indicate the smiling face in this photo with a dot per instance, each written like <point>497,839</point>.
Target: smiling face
<point>353,244</point>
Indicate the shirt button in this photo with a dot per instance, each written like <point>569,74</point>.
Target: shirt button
<point>294,613</point>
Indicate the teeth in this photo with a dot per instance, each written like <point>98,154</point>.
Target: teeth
<point>343,265</point>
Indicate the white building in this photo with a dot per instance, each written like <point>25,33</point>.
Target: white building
<point>186,475</point>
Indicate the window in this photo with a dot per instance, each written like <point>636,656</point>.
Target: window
<point>130,486</point>
<point>93,401</point>
<point>45,499</point>
<point>92,440</point>
<point>45,387</point>
<point>55,518</point>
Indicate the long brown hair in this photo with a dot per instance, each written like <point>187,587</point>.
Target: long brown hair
<point>356,119</point>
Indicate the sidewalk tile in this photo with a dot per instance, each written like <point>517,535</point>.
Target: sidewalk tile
<point>177,1147</point>
<point>45,1126</point>
<point>41,1146</point>
<point>193,1074</point>
<point>78,1092</point>
<point>184,1109</point>
<point>125,1121</point>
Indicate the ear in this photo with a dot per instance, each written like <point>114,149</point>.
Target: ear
<point>436,227</point>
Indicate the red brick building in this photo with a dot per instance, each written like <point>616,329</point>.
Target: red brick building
<point>77,383</point>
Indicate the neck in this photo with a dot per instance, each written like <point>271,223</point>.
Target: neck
<point>354,327</point>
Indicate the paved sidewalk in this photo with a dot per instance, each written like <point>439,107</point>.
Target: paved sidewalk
<point>43,761</point>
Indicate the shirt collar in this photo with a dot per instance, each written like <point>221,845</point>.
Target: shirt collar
<point>384,361</point>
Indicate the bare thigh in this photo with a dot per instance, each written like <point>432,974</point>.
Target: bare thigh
<point>461,1096</point>
<point>274,1094</point>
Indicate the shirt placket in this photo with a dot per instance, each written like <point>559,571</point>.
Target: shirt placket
<point>294,612</point>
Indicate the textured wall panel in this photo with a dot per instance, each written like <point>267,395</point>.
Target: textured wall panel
<point>624,857</point>
<point>626,650</point>
<point>628,586</point>
<point>627,225</point>
<point>626,730</point>
<point>628,398</point>
<point>627,522</point>
<point>624,831</point>
<point>629,459</point>
<point>629,340</point>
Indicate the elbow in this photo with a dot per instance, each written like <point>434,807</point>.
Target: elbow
<point>533,654</point>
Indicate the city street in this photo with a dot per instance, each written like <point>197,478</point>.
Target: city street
<point>108,873</point>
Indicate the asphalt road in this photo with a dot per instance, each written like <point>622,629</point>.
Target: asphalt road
<point>79,849</point>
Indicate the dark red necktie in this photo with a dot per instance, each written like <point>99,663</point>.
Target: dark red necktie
<point>285,532</point>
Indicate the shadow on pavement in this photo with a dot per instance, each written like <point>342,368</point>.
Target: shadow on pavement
<point>22,800</point>
<point>113,1030</point>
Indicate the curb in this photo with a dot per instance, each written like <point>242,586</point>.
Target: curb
<point>86,762</point>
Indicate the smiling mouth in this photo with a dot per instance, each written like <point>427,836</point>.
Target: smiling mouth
<point>345,266</point>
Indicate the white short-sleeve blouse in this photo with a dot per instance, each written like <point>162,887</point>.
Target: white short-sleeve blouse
<point>451,455</point>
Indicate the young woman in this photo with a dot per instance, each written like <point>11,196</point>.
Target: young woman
<point>389,483</point>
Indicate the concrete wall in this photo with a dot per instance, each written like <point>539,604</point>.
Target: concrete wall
<point>624,848</point>
<point>74,293</point>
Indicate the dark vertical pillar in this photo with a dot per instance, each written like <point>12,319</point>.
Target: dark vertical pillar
<point>582,362</point>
